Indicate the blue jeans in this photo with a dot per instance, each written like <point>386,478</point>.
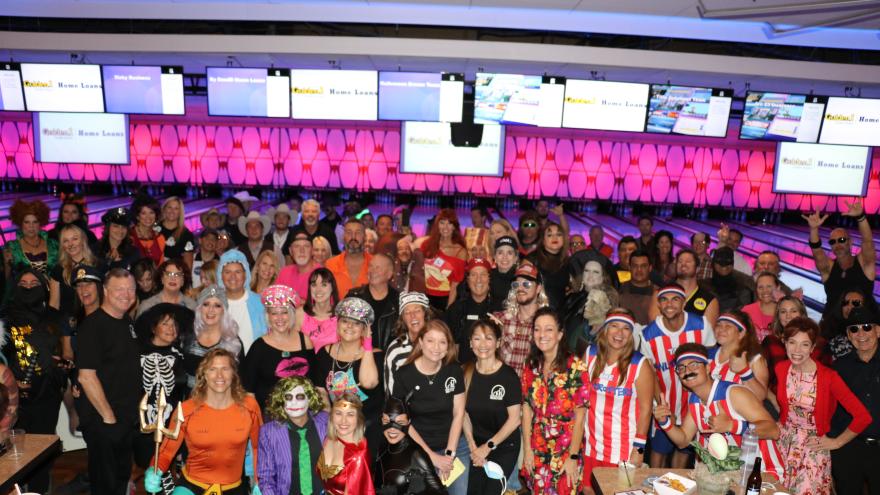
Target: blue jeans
<point>463,454</point>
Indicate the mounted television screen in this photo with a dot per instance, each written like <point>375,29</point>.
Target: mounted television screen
<point>62,87</point>
<point>602,105</point>
<point>854,121</point>
<point>244,92</point>
<point>81,137</point>
<point>421,96</point>
<point>334,94</point>
<point>782,117</point>
<point>426,148</point>
<point>11,94</point>
<point>689,110</point>
<point>834,170</point>
<point>518,99</point>
<point>152,90</point>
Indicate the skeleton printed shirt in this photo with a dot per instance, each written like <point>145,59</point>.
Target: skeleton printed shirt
<point>162,368</point>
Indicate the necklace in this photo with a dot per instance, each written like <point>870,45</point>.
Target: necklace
<point>432,377</point>
<point>336,362</point>
<point>32,245</point>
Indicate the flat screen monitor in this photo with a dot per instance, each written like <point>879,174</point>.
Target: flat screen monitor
<point>62,87</point>
<point>604,105</point>
<point>782,117</point>
<point>11,94</point>
<point>334,94</point>
<point>854,121</point>
<point>518,99</point>
<point>248,92</point>
<point>809,168</point>
<point>81,137</point>
<point>421,96</point>
<point>427,149</point>
<point>687,110</point>
<point>142,89</point>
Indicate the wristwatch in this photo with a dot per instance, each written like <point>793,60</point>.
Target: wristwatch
<point>449,453</point>
<point>574,457</point>
<point>491,445</point>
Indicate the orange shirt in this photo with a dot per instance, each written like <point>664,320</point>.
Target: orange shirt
<point>216,440</point>
<point>344,283</point>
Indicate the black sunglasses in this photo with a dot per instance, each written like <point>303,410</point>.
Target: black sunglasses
<point>865,327</point>
<point>852,302</point>
<point>529,225</point>
<point>840,240</point>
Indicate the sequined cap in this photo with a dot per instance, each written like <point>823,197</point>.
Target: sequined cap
<point>214,291</point>
<point>356,309</point>
<point>280,296</point>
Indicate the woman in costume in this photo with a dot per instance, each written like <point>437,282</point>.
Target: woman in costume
<point>291,442</point>
<point>219,420</point>
<point>344,463</point>
<point>404,466</point>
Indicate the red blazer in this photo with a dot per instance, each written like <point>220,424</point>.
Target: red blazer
<point>831,390</point>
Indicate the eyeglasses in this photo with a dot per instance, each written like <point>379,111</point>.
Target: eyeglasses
<point>852,302</point>
<point>840,240</point>
<point>865,327</point>
<point>529,225</point>
<point>578,244</point>
<point>174,274</point>
<point>525,284</point>
<point>692,366</point>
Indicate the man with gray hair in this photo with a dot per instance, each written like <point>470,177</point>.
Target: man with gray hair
<point>313,226</point>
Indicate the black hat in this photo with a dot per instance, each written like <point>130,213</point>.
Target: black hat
<point>723,256</point>
<point>119,216</point>
<point>862,315</point>
<point>85,273</point>
<point>184,317</point>
<point>209,231</point>
<point>237,202</point>
<point>506,240</point>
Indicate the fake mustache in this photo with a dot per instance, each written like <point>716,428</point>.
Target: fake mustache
<point>689,376</point>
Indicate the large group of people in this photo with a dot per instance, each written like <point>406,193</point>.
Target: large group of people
<point>466,360</point>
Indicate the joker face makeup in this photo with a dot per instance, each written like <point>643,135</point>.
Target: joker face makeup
<point>296,402</point>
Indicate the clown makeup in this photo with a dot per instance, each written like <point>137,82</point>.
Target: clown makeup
<point>296,402</point>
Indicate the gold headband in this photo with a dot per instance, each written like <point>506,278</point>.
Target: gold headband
<point>345,404</point>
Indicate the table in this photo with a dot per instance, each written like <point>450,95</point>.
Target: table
<point>604,479</point>
<point>37,449</point>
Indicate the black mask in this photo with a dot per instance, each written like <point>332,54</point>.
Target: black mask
<point>394,425</point>
<point>32,298</point>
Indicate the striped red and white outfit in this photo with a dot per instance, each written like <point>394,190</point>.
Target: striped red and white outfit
<point>610,432</point>
<point>658,344</point>
<point>719,402</point>
<point>722,371</point>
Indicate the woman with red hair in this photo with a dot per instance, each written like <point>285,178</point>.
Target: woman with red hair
<point>32,247</point>
<point>445,255</point>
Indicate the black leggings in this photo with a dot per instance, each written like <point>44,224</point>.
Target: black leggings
<point>504,455</point>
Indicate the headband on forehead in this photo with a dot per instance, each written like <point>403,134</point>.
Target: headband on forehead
<point>671,290</point>
<point>623,318</point>
<point>733,321</point>
<point>691,355</point>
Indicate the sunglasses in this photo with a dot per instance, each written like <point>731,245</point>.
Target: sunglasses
<point>174,274</point>
<point>840,240</point>
<point>865,327</point>
<point>852,302</point>
<point>525,284</point>
<point>529,225</point>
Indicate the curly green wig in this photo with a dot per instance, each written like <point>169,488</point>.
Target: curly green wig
<point>275,402</point>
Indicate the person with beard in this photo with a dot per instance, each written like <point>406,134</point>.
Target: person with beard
<point>699,300</point>
<point>409,267</point>
<point>313,227</point>
<point>350,267</point>
<point>291,441</point>
<point>846,270</point>
<point>33,351</point>
<point>525,298</point>
<point>404,466</point>
<point>506,255</point>
<point>731,287</point>
<point>159,332</point>
<point>73,212</point>
<point>296,274</point>
<point>466,311</point>
<point>718,406</point>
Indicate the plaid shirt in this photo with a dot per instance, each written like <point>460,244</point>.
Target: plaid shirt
<point>516,341</point>
<point>704,268</point>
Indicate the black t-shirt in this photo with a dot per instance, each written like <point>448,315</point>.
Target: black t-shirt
<point>460,316</point>
<point>488,398</point>
<point>338,377</point>
<point>264,365</point>
<point>109,346</point>
<point>699,301</point>
<point>432,401</point>
<point>68,294</point>
<point>176,247</point>
<point>499,284</point>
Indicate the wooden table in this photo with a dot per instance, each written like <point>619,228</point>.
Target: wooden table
<point>604,480</point>
<point>37,450</point>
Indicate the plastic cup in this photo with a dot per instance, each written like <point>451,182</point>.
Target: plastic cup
<point>626,474</point>
<point>16,443</point>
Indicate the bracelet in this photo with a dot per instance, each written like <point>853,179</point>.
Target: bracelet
<point>745,375</point>
<point>863,217</point>
<point>739,426</point>
<point>639,442</point>
<point>666,425</point>
<point>815,245</point>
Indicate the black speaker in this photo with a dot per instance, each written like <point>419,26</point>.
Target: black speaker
<point>466,134</point>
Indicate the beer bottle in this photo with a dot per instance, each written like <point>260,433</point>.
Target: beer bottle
<point>753,486</point>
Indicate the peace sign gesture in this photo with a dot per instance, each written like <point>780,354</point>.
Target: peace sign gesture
<point>815,220</point>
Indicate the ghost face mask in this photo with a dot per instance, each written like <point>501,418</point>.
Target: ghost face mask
<point>296,402</point>
<point>592,275</point>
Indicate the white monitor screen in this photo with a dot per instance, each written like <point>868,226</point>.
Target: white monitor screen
<point>143,89</point>
<point>81,137</point>
<point>809,168</point>
<point>421,96</point>
<point>853,121</point>
<point>247,92</point>
<point>518,99</point>
<point>782,117</point>
<point>62,87</point>
<point>11,95</point>
<point>689,111</point>
<point>602,105</point>
<point>427,149</point>
<point>334,94</point>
